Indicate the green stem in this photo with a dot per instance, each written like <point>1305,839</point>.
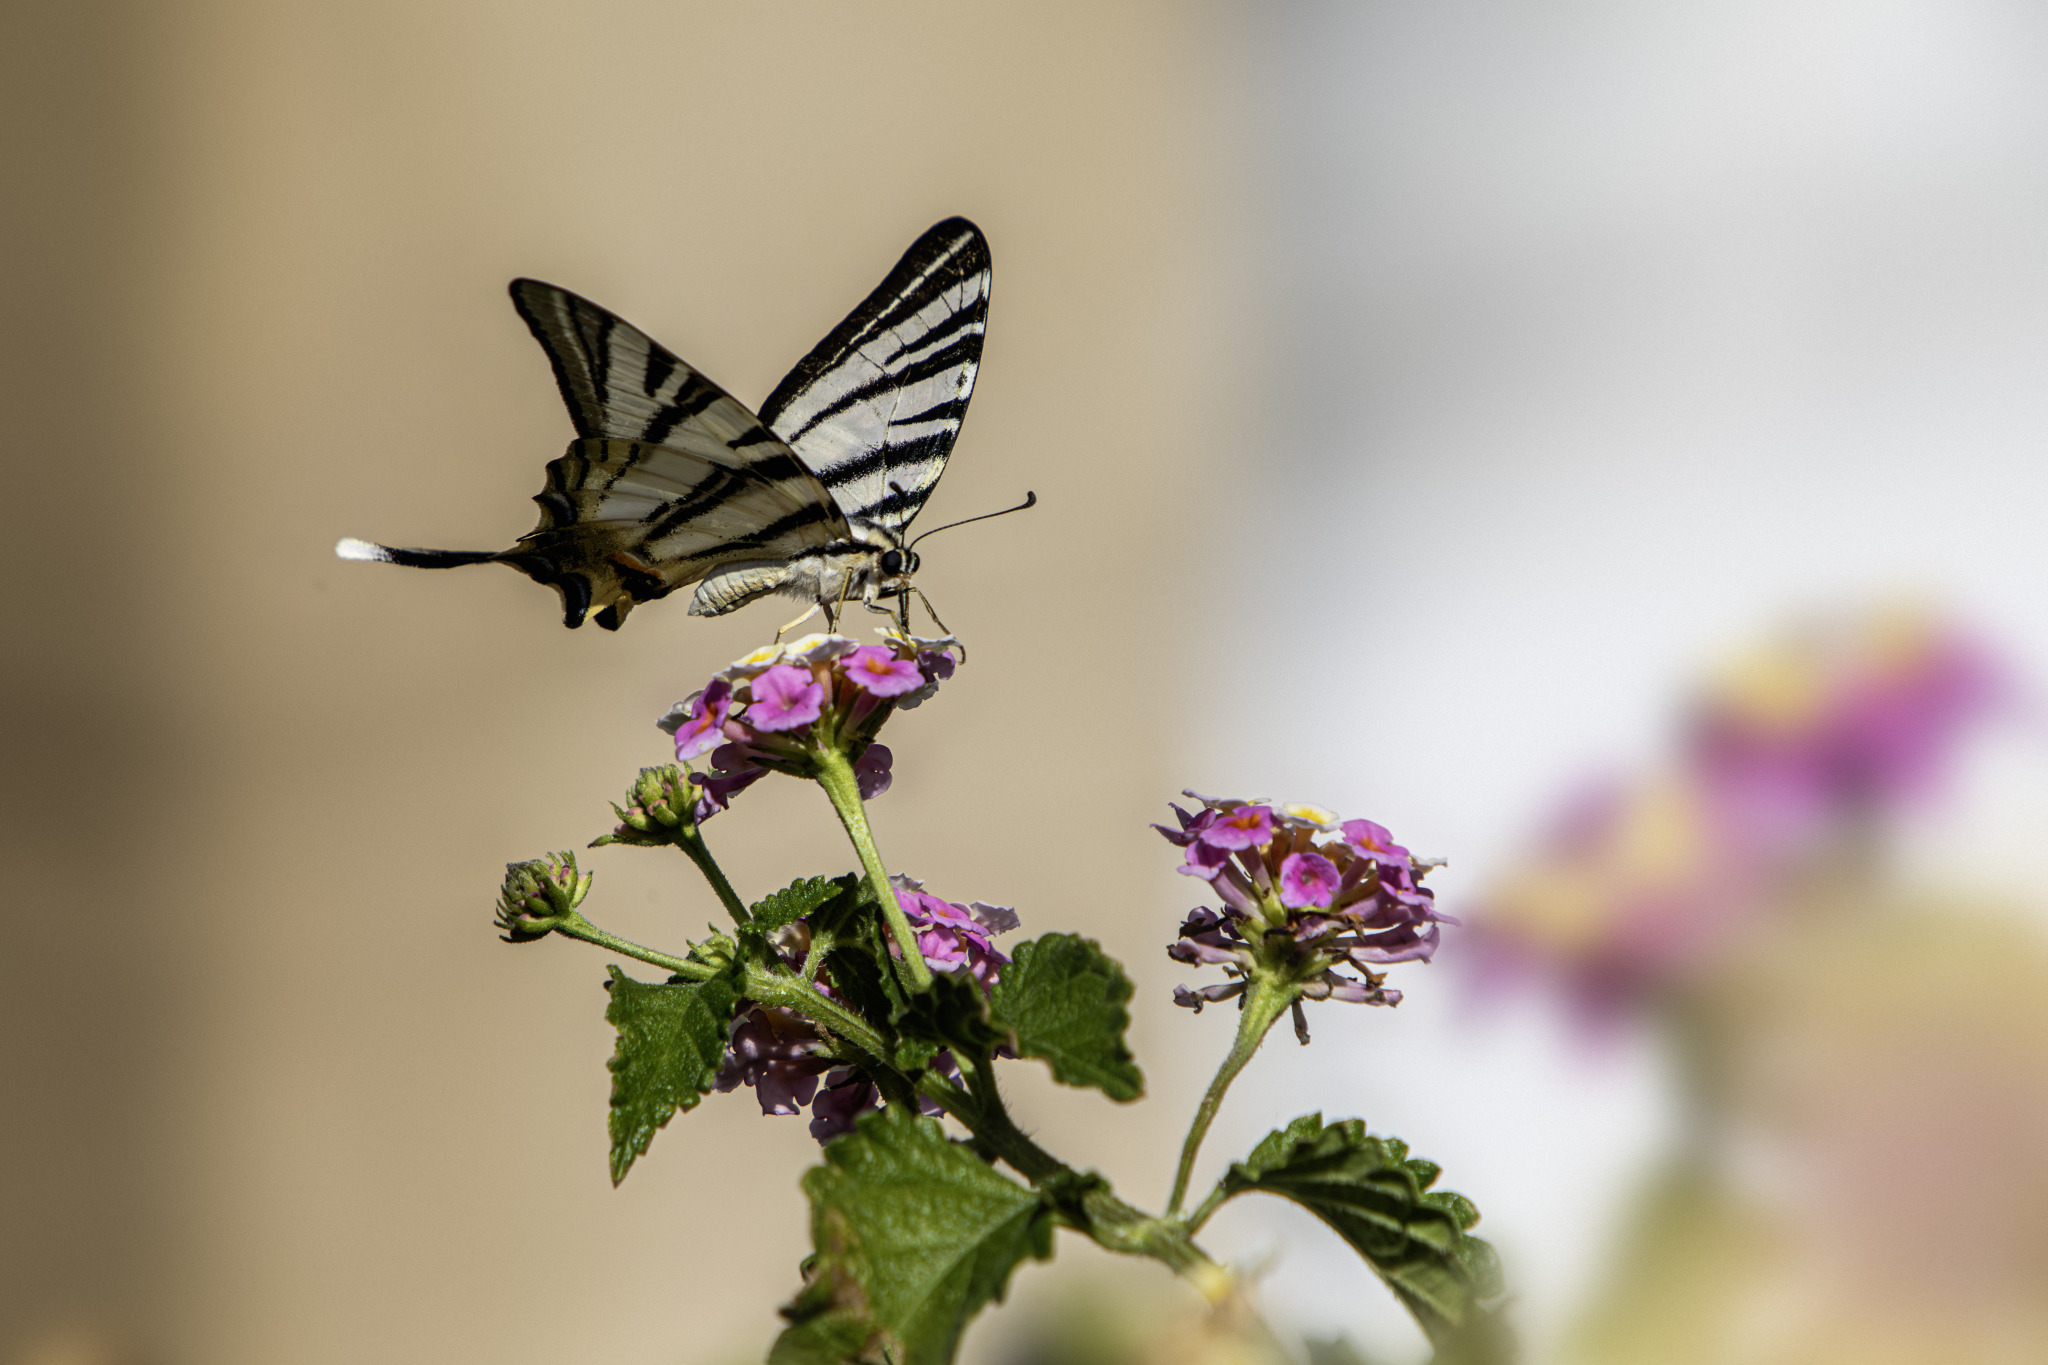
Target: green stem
<point>783,989</point>
<point>1203,1210</point>
<point>1029,1159</point>
<point>578,927</point>
<point>1097,1213</point>
<point>691,841</point>
<point>1264,1002</point>
<point>769,988</point>
<point>835,775</point>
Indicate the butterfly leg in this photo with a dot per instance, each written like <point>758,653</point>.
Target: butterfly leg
<point>809,612</point>
<point>943,628</point>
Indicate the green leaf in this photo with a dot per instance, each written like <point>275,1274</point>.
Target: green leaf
<point>952,1014</point>
<point>848,930</point>
<point>1377,1199</point>
<point>671,1040</point>
<point>914,1234</point>
<point>798,899</point>
<point>1064,998</point>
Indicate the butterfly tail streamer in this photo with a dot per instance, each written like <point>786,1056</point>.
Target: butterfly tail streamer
<point>348,547</point>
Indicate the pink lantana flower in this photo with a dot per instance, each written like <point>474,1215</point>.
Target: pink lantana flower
<point>1375,842</point>
<point>1244,827</point>
<point>1307,879</point>
<point>700,728</point>
<point>785,698</point>
<point>877,671</point>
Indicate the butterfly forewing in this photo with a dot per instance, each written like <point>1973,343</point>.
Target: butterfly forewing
<point>672,476</point>
<point>873,410</point>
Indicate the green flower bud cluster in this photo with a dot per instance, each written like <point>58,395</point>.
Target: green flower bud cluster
<point>660,806</point>
<point>540,896</point>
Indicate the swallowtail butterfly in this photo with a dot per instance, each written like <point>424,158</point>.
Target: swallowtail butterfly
<point>671,481</point>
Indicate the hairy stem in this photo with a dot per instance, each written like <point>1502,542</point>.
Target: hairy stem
<point>1264,1002</point>
<point>690,840</point>
<point>835,775</point>
<point>786,991</point>
<point>1000,1131</point>
<point>1090,1206</point>
<point>580,928</point>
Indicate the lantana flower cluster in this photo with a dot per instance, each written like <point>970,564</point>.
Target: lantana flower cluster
<point>784,1058</point>
<point>770,711</point>
<point>1298,884</point>
<point>1791,764</point>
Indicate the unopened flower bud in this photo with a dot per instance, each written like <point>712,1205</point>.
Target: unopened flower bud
<point>660,802</point>
<point>540,895</point>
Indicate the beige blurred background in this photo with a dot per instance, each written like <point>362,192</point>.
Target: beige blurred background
<point>1418,396</point>
<point>272,1089</point>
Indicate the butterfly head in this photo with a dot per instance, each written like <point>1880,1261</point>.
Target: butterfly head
<point>899,563</point>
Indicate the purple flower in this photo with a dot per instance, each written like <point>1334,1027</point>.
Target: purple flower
<point>785,698</point>
<point>872,771</point>
<point>878,671</point>
<point>1245,827</point>
<point>1374,842</point>
<point>1297,888</point>
<point>846,1096</point>
<point>698,724</point>
<point>773,1051</point>
<point>1207,995</point>
<point>1307,879</point>
<point>732,774</point>
<point>952,937</point>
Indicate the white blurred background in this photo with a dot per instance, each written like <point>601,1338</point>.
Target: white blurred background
<point>1422,397</point>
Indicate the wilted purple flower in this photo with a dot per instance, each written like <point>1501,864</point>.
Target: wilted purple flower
<point>775,1052</point>
<point>846,1096</point>
<point>872,771</point>
<point>731,774</point>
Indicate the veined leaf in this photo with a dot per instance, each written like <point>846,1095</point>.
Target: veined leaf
<point>1065,1000</point>
<point>913,1235</point>
<point>1378,1199</point>
<point>672,1038</point>
<point>796,900</point>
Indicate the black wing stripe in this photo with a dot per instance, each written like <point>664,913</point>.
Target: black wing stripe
<point>693,401</point>
<point>880,400</point>
<point>896,455</point>
<point>934,366</point>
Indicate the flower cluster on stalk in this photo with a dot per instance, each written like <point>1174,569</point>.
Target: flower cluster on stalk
<point>1322,900</point>
<point>776,709</point>
<point>785,1059</point>
<point>1795,767</point>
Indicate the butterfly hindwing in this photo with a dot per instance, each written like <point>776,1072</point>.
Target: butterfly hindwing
<point>874,409</point>
<point>670,477</point>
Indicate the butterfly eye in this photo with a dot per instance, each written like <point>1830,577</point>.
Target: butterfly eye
<point>892,562</point>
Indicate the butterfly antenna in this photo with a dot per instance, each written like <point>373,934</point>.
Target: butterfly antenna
<point>1030,500</point>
